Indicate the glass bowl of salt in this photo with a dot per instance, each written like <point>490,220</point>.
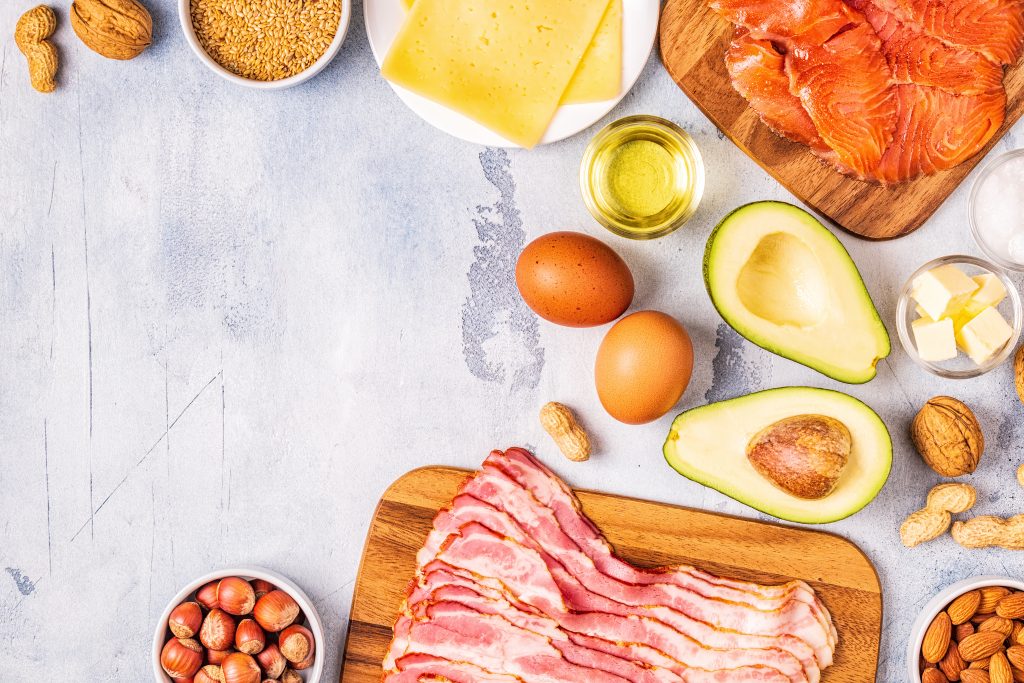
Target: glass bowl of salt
<point>996,207</point>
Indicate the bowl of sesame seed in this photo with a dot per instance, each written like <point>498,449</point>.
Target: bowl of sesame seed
<point>265,44</point>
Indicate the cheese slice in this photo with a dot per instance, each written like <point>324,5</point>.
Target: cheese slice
<point>503,64</point>
<point>599,76</point>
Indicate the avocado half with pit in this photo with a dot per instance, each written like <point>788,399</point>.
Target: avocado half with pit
<point>782,280</point>
<point>709,445</point>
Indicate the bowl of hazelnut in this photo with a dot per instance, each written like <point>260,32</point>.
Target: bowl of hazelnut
<point>239,625</point>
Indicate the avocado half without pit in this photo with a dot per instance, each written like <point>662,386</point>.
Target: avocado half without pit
<point>782,280</point>
<point>797,453</point>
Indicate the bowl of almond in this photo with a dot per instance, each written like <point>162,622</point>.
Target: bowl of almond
<point>973,632</point>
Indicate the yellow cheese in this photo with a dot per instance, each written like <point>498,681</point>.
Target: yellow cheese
<point>943,291</point>
<point>984,335</point>
<point>503,64</point>
<point>599,76</point>
<point>934,339</point>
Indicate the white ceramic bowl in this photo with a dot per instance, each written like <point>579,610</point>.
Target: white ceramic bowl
<point>939,603</point>
<point>185,17</point>
<point>160,635</point>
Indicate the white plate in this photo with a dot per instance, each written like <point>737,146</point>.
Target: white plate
<point>639,28</point>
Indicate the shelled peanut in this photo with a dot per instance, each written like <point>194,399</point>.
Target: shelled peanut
<point>978,638</point>
<point>236,631</point>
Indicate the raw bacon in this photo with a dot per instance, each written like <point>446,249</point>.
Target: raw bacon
<point>515,584</point>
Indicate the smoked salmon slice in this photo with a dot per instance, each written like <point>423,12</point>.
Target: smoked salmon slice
<point>921,59</point>
<point>883,90</point>
<point>995,28</point>
<point>844,85</point>
<point>937,130</point>
<point>810,21</point>
<point>758,73</point>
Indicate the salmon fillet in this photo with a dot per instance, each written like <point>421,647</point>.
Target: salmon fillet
<point>758,73</point>
<point>883,90</point>
<point>917,58</point>
<point>937,130</point>
<point>844,85</point>
<point>995,28</point>
<point>810,21</point>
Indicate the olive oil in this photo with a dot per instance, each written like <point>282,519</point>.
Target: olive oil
<point>642,177</point>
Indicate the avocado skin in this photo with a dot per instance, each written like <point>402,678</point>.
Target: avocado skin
<point>871,489</point>
<point>706,272</point>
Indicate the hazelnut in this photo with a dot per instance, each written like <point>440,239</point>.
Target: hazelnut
<point>235,596</point>
<point>181,657</point>
<point>240,668</point>
<point>207,595</point>
<point>185,619</point>
<point>218,630</point>
<point>275,611</point>
<point>272,661</point>
<point>249,637</point>
<point>296,643</point>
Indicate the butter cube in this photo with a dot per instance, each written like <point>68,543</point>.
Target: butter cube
<point>943,291</point>
<point>991,291</point>
<point>984,335</point>
<point>921,313</point>
<point>934,339</point>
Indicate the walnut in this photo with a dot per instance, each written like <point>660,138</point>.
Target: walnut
<point>118,29</point>
<point>948,436</point>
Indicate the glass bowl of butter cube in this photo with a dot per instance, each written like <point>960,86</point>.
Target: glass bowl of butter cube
<point>959,316</point>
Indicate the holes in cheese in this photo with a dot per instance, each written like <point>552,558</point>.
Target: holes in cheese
<point>505,65</point>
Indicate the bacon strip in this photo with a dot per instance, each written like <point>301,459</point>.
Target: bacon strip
<point>516,585</point>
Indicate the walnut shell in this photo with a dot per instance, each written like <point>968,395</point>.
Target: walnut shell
<point>948,436</point>
<point>118,29</point>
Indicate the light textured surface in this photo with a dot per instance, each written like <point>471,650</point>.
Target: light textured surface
<point>228,319</point>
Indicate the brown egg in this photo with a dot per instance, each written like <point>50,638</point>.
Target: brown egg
<point>574,280</point>
<point>643,366</point>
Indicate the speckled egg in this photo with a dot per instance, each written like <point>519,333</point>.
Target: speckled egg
<point>643,367</point>
<point>572,279</point>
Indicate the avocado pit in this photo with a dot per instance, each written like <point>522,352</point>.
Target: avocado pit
<point>803,455</point>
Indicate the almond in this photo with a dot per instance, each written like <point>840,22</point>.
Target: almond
<point>963,608</point>
<point>963,630</point>
<point>982,616</point>
<point>980,664</point>
<point>997,624</point>
<point>952,664</point>
<point>1015,653</point>
<point>936,638</point>
<point>933,675</point>
<point>990,597</point>
<point>980,645</point>
<point>974,676</point>
<point>1015,633</point>
<point>999,669</point>
<point>1011,607</point>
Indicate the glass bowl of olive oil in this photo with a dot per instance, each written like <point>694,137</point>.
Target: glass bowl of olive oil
<point>642,177</point>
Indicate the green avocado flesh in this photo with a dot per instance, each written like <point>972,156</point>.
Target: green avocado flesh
<point>782,280</point>
<point>709,446</point>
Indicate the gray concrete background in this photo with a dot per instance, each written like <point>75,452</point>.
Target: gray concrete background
<point>228,319</point>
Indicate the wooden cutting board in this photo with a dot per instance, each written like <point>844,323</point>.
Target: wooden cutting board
<point>644,533</point>
<point>693,44</point>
